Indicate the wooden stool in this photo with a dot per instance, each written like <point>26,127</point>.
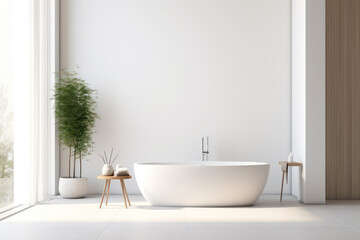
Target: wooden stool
<point>107,184</point>
<point>289,164</point>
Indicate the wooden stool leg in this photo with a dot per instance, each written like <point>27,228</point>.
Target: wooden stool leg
<point>122,188</point>
<point>127,196</point>
<point>102,198</point>
<point>282,185</point>
<point>108,190</point>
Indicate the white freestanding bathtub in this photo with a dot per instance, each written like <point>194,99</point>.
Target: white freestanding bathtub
<point>201,183</point>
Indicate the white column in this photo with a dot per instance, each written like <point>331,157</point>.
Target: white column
<point>308,99</point>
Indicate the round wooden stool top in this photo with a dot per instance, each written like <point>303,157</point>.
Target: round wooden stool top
<point>113,177</point>
<point>291,164</point>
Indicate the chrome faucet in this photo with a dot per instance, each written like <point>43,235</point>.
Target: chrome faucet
<point>204,149</point>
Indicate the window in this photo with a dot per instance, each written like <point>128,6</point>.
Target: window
<point>6,107</point>
<point>27,128</point>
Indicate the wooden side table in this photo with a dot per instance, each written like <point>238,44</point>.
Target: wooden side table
<point>107,185</point>
<point>289,164</point>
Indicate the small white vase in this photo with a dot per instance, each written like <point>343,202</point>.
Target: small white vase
<point>107,170</point>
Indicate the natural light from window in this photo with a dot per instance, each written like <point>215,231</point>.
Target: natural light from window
<point>6,108</point>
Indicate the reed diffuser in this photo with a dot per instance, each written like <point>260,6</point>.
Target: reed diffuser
<point>108,169</point>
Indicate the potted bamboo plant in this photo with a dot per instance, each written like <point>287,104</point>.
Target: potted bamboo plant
<point>75,113</point>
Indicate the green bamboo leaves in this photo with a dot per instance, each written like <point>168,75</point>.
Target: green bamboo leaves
<point>75,111</point>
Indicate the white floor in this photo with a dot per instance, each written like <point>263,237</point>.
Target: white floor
<point>269,219</point>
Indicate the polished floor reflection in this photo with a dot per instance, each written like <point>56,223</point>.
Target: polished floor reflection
<point>269,219</point>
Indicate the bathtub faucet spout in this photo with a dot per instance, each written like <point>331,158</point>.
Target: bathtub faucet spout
<point>205,149</point>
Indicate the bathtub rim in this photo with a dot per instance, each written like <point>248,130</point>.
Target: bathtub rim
<point>203,164</point>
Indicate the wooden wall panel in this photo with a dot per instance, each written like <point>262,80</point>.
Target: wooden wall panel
<point>343,99</point>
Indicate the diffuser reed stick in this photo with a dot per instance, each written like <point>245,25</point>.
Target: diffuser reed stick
<point>105,159</point>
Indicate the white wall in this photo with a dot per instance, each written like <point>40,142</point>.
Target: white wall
<point>170,72</point>
<point>308,99</point>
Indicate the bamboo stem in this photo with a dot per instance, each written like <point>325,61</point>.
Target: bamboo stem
<point>80,164</point>
<point>69,161</point>
<point>74,162</point>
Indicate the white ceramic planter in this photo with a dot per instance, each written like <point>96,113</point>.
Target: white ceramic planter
<point>107,170</point>
<point>73,187</point>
